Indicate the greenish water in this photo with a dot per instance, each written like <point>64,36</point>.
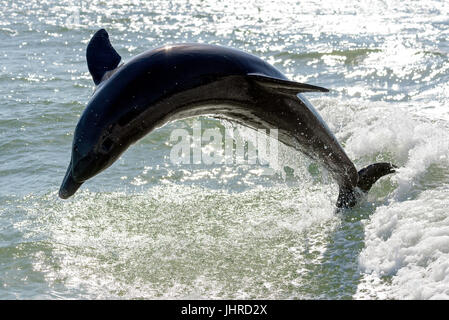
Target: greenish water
<point>146,228</point>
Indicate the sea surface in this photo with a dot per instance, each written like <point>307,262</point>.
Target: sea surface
<point>147,228</point>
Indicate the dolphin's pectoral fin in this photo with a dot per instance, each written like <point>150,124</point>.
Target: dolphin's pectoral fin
<point>280,85</point>
<point>367,177</point>
<point>101,56</point>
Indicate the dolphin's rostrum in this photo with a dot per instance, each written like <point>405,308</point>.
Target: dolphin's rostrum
<point>186,80</point>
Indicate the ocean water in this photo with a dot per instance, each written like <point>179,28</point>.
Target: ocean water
<point>147,228</point>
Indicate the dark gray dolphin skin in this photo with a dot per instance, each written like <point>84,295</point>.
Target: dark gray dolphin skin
<point>187,80</point>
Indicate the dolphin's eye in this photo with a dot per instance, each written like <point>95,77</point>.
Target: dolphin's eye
<point>107,145</point>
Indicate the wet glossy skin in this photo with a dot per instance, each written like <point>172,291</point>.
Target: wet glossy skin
<point>188,80</point>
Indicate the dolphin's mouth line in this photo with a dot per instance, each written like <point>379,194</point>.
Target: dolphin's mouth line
<point>69,186</point>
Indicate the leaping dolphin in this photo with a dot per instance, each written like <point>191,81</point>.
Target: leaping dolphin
<point>187,80</point>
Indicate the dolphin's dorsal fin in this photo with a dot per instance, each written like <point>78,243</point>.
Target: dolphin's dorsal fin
<point>101,56</point>
<point>285,86</point>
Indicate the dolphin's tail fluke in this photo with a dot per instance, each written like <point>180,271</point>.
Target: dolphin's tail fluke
<point>348,198</point>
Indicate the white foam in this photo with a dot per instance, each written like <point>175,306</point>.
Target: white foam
<point>406,250</point>
<point>381,133</point>
<point>409,244</point>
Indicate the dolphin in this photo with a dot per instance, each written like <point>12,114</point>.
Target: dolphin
<point>187,80</point>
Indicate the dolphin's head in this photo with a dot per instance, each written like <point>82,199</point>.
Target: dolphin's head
<point>95,145</point>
